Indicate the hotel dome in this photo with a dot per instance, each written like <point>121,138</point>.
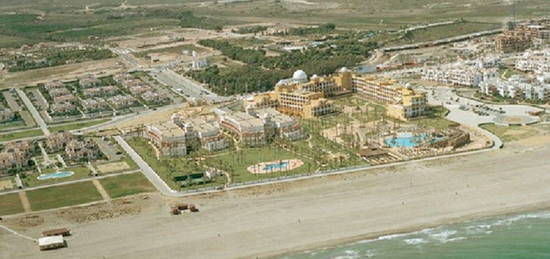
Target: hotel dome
<point>299,76</point>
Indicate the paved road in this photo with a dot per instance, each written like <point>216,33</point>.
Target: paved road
<point>33,112</point>
<point>153,177</point>
<point>185,86</point>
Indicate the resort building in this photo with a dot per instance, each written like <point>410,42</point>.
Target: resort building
<point>279,125</point>
<point>402,102</point>
<point>248,130</point>
<point>169,139</point>
<point>298,96</point>
<point>208,133</point>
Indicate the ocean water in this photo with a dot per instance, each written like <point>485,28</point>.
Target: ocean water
<point>517,236</point>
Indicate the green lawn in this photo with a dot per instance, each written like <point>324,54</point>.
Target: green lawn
<point>78,125</point>
<point>168,167</point>
<point>124,185</point>
<point>12,124</point>
<point>236,163</point>
<point>10,204</point>
<point>435,119</point>
<point>510,133</point>
<point>20,134</point>
<point>61,196</point>
<point>79,173</point>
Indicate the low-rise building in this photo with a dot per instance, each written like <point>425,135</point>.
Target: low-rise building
<point>154,97</point>
<point>249,130</point>
<point>55,92</point>
<point>122,101</point>
<point>100,91</point>
<point>517,87</point>
<point>208,132</point>
<point>169,139</point>
<point>89,81</point>
<point>57,141</point>
<point>94,104</point>
<point>16,155</point>
<point>6,114</point>
<point>461,73</point>
<point>82,150</point>
<point>537,61</point>
<point>68,98</point>
<point>519,37</point>
<point>402,102</point>
<point>60,108</point>
<point>279,125</point>
<point>54,85</point>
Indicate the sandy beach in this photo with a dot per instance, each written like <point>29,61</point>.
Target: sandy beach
<point>273,220</point>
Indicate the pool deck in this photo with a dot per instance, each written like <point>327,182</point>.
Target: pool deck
<point>260,168</point>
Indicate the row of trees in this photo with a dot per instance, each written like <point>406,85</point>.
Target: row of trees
<point>262,72</point>
<point>250,29</point>
<point>301,31</point>
<point>56,58</point>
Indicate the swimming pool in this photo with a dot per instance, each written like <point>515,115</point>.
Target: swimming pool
<point>405,139</point>
<point>275,166</point>
<point>55,175</point>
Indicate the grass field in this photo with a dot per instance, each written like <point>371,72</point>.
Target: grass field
<point>445,31</point>
<point>236,163</point>
<point>61,196</point>
<point>124,185</point>
<point>78,125</point>
<point>79,173</point>
<point>510,133</point>
<point>66,22</point>
<point>20,134</point>
<point>167,168</point>
<point>12,124</point>
<point>435,119</point>
<point>10,204</point>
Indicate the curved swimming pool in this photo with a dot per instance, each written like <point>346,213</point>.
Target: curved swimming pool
<point>405,139</point>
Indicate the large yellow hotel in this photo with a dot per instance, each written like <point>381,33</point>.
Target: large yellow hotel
<point>307,98</point>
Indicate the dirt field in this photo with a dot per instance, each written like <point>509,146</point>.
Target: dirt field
<point>6,185</point>
<point>112,167</point>
<point>66,72</point>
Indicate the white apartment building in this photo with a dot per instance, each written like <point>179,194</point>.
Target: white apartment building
<point>462,73</point>
<point>518,87</point>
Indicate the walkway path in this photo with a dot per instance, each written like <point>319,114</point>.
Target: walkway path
<point>101,190</point>
<point>33,112</point>
<point>151,175</point>
<point>25,201</point>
